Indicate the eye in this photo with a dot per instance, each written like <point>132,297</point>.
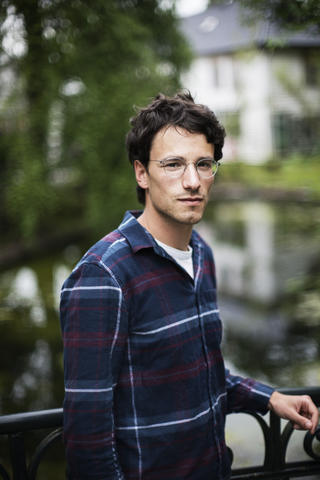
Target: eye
<point>174,164</point>
<point>205,164</point>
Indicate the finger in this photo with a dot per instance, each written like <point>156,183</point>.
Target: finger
<point>314,419</point>
<point>311,412</point>
<point>297,427</point>
<point>301,423</point>
<point>304,427</point>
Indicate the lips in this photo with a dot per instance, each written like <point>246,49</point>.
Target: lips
<point>191,200</point>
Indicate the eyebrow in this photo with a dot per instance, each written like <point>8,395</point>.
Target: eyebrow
<point>178,157</point>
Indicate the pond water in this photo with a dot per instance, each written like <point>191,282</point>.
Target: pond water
<point>268,269</point>
<point>268,264</point>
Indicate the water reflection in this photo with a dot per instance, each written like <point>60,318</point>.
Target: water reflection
<point>260,248</point>
<point>24,293</point>
<point>31,349</point>
<point>268,263</point>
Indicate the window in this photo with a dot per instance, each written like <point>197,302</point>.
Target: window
<point>223,72</point>
<point>312,69</point>
<point>294,134</point>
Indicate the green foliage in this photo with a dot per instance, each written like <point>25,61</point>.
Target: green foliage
<point>294,173</point>
<point>293,14</point>
<point>94,61</point>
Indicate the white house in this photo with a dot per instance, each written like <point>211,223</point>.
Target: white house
<point>263,83</point>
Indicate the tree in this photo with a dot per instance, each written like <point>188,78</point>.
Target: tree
<point>80,69</point>
<point>293,14</point>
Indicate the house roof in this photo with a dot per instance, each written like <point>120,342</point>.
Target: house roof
<point>227,28</point>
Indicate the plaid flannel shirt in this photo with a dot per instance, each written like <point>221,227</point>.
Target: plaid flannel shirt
<point>146,390</point>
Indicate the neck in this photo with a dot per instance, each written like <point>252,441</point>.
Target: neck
<point>174,234</point>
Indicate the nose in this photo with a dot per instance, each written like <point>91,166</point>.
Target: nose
<point>190,178</point>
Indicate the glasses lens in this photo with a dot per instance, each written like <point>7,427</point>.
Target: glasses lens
<point>207,168</point>
<point>174,167</point>
<point>215,166</point>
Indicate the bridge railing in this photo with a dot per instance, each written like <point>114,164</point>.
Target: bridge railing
<point>16,428</point>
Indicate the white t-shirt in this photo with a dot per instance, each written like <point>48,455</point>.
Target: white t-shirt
<point>183,257</point>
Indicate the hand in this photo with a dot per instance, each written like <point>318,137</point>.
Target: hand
<point>299,409</point>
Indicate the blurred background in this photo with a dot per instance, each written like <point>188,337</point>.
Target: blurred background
<point>71,75</point>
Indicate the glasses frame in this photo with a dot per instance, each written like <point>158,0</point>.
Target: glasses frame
<point>164,161</point>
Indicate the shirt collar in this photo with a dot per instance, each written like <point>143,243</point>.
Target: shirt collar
<point>138,237</point>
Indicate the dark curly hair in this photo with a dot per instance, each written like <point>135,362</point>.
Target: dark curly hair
<point>180,111</point>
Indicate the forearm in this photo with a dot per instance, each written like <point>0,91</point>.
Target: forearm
<point>89,437</point>
<point>246,394</point>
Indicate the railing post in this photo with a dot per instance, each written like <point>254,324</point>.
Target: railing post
<point>277,462</point>
<point>18,456</point>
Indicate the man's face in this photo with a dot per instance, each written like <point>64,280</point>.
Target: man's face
<point>177,200</point>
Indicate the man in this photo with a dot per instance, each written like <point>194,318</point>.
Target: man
<point>146,388</point>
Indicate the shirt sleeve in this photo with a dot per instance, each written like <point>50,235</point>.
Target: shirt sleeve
<point>246,394</point>
<point>94,330</point>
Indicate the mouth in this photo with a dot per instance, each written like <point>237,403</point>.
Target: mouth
<point>193,201</point>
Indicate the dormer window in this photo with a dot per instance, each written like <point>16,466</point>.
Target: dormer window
<point>209,24</point>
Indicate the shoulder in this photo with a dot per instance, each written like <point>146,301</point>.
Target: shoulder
<point>107,250</point>
<point>100,260</point>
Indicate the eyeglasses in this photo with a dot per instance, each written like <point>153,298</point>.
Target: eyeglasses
<point>175,167</point>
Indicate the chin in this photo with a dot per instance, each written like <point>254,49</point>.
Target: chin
<point>191,219</point>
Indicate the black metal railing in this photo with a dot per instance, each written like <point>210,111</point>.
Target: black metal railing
<point>276,442</point>
<point>16,427</point>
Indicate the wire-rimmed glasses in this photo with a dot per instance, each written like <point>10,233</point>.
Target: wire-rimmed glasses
<point>175,167</point>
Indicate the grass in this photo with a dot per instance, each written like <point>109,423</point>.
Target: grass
<point>294,173</point>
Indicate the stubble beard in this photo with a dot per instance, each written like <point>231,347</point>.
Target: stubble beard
<point>188,219</point>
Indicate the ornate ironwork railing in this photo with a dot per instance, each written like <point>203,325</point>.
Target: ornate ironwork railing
<point>16,427</point>
<point>276,442</point>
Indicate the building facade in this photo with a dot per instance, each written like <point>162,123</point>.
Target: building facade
<point>263,83</point>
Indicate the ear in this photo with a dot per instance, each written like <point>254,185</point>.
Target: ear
<point>142,176</point>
